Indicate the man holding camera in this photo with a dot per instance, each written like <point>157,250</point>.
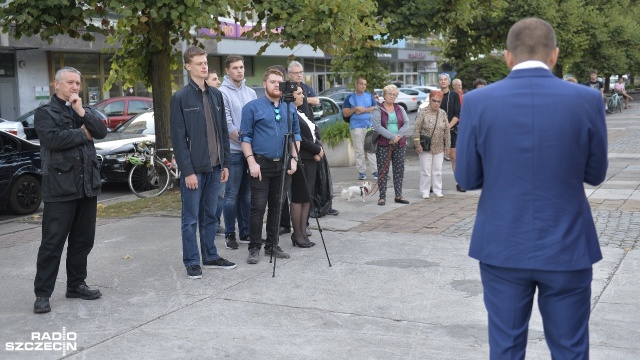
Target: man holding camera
<point>262,133</point>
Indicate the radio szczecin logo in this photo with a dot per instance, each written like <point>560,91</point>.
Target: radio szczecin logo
<point>46,341</point>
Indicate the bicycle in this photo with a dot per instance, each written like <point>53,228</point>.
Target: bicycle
<point>150,175</point>
<point>615,102</point>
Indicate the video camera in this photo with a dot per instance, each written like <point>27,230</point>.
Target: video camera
<point>287,88</point>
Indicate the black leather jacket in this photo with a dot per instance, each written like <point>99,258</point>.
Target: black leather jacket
<point>70,167</point>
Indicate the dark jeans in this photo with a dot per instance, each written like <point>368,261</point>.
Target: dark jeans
<point>265,192</point>
<point>75,219</point>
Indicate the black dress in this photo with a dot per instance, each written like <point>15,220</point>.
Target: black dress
<point>307,166</point>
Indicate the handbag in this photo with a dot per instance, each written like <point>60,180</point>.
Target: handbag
<point>425,141</point>
<point>371,141</point>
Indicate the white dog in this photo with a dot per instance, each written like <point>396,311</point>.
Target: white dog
<point>353,191</point>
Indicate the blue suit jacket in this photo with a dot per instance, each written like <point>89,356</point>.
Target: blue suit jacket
<point>529,142</point>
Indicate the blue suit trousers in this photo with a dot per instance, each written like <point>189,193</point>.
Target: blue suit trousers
<point>564,300</point>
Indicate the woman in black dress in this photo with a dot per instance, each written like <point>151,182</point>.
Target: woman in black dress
<point>310,153</point>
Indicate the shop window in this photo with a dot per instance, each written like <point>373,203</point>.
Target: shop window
<point>87,64</point>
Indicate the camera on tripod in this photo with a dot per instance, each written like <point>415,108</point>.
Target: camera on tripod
<point>287,88</point>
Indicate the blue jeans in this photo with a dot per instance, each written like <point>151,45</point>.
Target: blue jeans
<point>199,213</point>
<point>237,196</point>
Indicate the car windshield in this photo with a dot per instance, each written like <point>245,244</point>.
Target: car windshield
<point>138,125</point>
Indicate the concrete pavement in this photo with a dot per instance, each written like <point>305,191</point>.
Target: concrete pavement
<point>401,285</point>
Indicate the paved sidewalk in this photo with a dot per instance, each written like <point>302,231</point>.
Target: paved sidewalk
<point>401,285</point>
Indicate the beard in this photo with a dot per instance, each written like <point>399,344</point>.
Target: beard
<point>274,94</point>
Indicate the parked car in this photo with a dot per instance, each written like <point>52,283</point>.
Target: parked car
<point>27,122</point>
<point>122,108</point>
<point>20,175</point>
<point>118,145</point>
<point>409,103</point>
<point>339,97</point>
<point>420,95</point>
<point>333,90</point>
<point>13,127</point>
<point>327,113</point>
<point>425,88</point>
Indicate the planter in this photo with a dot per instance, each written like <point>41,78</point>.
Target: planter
<point>341,155</point>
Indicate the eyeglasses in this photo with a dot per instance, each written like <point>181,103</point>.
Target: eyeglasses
<point>296,72</point>
<point>277,111</point>
<point>393,95</point>
<point>436,101</point>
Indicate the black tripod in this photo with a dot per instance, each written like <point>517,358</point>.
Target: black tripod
<point>286,165</point>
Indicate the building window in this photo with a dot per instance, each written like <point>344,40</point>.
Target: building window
<point>7,65</point>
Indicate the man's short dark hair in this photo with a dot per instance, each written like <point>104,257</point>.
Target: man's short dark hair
<point>479,81</point>
<point>191,52</point>
<point>531,39</point>
<point>279,68</point>
<point>233,58</point>
<point>360,78</point>
<point>593,71</point>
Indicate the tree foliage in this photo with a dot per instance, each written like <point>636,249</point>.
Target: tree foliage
<point>145,34</point>
<point>490,68</point>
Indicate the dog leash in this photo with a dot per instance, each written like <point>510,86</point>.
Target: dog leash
<point>383,172</point>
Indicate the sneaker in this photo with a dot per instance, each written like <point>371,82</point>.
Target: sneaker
<point>194,272</point>
<point>447,158</point>
<point>244,239</point>
<point>375,175</point>
<point>219,263</point>
<point>41,305</point>
<point>254,256</point>
<point>277,252</point>
<point>230,241</point>
<point>425,196</point>
<point>439,195</point>
<point>362,176</point>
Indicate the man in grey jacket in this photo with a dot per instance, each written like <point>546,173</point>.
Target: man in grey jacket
<point>70,188</point>
<point>237,196</point>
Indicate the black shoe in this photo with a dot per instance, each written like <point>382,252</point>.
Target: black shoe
<point>230,241</point>
<point>219,263</point>
<point>254,256</point>
<point>194,272</point>
<point>460,189</point>
<point>41,305</point>
<point>283,230</point>
<point>244,239</point>
<point>277,252</point>
<point>83,292</point>
<point>294,242</point>
<point>333,212</point>
<point>401,200</point>
<point>431,190</point>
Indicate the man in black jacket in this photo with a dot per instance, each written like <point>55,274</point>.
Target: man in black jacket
<point>70,188</point>
<point>201,145</point>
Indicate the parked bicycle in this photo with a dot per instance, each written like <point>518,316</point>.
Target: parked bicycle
<point>150,175</point>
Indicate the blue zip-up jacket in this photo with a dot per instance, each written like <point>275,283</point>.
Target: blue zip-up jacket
<point>189,129</point>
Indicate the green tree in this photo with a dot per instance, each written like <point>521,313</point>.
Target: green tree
<point>490,68</point>
<point>145,34</point>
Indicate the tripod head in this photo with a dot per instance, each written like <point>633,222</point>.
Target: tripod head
<point>287,88</point>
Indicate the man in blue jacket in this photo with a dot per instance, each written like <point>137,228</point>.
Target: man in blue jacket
<point>201,147</point>
<point>529,142</point>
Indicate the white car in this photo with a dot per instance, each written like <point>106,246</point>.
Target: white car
<point>420,95</point>
<point>13,127</point>
<point>425,88</point>
<point>409,103</point>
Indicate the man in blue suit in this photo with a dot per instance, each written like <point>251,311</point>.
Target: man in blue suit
<point>529,142</point>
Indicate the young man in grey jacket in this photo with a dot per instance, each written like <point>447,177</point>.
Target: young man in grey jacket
<point>237,196</point>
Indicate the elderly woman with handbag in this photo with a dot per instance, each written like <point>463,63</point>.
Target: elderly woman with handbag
<point>391,122</point>
<point>432,139</point>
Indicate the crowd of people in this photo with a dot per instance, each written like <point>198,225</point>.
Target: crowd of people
<point>241,156</point>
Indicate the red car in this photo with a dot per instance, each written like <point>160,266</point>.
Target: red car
<point>120,109</point>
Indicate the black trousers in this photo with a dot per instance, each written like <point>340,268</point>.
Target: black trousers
<point>75,220</point>
<point>265,192</point>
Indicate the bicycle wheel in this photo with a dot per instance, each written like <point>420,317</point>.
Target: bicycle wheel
<point>148,181</point>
